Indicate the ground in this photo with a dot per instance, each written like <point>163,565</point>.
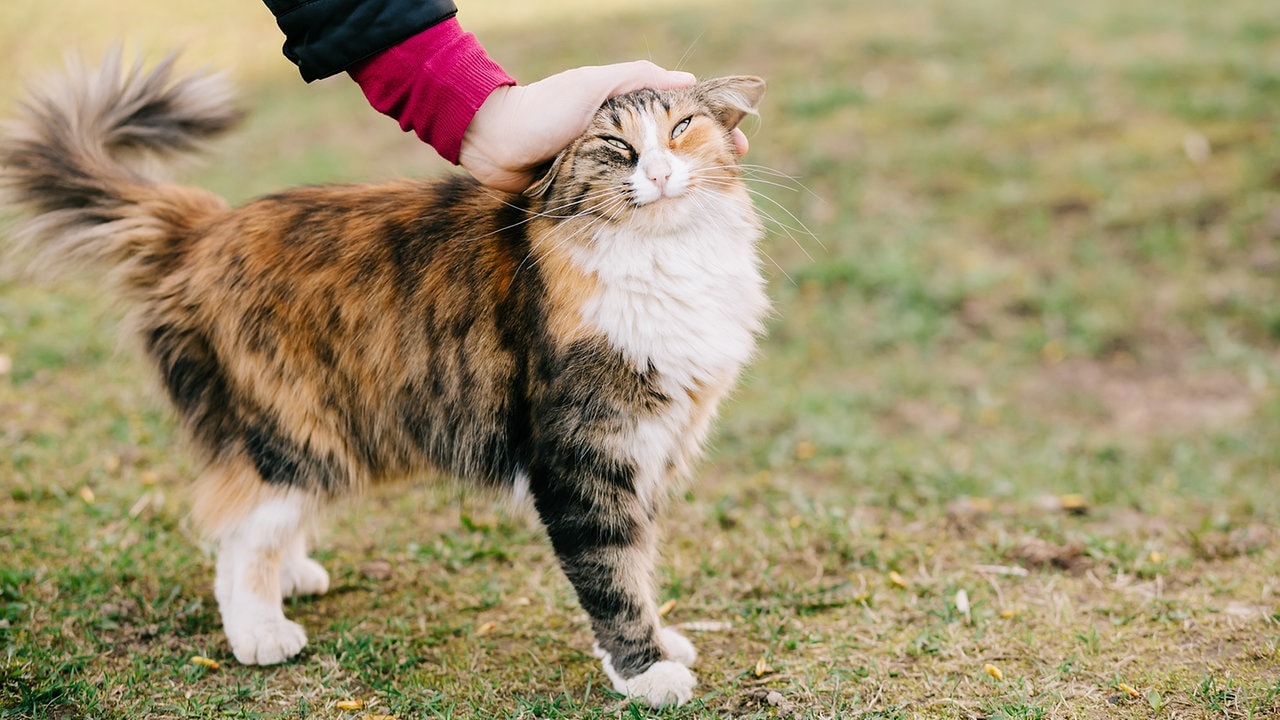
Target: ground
<point>1010,447</point>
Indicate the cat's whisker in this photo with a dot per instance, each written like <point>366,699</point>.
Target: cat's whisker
<point>703,198</point>
<point>688,51</point>
<point>597,218</point>
<point>780,269</point>
<point>548,212</point>
<point>802,228</point>
<point>534,215</point>
<point>752,171</point>
<point>788,229</point>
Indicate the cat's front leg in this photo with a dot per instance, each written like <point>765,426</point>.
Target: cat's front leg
<point>604,538</point>
<point>299,574</point>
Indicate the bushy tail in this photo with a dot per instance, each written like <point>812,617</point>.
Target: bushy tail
<point>69,165</point>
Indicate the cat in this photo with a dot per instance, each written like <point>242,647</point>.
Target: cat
<point>568,345</point>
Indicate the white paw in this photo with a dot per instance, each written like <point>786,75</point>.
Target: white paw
<point>303,577</point>
<point>268,642</point>
<point>664,683</point>
<point>678,647</point>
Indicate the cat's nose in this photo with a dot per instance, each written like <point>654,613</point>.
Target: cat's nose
<point>659,171</point>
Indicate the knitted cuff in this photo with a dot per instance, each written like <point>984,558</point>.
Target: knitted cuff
<point>433,84</point>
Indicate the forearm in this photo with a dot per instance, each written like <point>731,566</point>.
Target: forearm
<point>432,83</point>
<point>325,37</point>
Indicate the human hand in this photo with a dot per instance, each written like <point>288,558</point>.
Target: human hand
<point>521,127</point>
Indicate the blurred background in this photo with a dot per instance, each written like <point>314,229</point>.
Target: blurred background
<point>1024,259</point>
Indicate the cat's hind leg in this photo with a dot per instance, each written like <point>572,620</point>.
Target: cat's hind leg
<point>257,526</point>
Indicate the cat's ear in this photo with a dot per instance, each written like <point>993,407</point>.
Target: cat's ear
<point>544,182</point>
<point>731,98</point>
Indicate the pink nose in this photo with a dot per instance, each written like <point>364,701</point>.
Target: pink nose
<point>660,179</point>
<point>659,173</point>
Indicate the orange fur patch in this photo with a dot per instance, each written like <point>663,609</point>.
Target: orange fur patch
<point>225,493</point>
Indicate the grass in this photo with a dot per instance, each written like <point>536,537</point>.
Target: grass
<point>1048,263</point>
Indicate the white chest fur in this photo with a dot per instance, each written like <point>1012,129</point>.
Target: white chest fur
<point>687,303</point>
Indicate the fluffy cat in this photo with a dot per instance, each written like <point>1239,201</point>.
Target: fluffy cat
<point>569,344</point>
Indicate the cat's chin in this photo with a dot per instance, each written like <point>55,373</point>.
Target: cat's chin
<point>665,214</point>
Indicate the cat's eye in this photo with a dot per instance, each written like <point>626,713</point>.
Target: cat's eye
<point>681,127</point>
<point>619,143</point>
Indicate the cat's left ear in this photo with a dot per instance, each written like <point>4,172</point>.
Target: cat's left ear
<point>544,182</point>
<point>731,98</point>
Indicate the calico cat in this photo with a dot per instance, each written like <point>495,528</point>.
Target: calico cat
<point>569,344</point>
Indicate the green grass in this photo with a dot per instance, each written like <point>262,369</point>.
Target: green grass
<point>1049,248</point>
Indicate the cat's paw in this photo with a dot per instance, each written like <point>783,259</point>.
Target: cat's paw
<point>678,647</point>
<point>303,576</point>
<point>267,643</point>
<point>665,683</point>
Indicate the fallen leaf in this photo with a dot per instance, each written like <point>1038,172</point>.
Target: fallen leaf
<point>666,607</point>
<point>1131,692</point>
<point>762,667</point>
<point>86,494</point>
<point>1073,503</point>
<point>962,604</point>
<point>1196,147</point>
<point>203,661</point>
<point>1054,352</point>
<point>897,579</point>
<point>993,671</point>
<point>349,704</point>
<point>486,628</point>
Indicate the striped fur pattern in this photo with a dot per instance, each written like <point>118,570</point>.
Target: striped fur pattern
<point>570,344</point>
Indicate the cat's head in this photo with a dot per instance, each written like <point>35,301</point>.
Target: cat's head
<point>652,153</point>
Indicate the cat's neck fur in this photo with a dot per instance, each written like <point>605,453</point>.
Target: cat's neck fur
<point>684,298</point>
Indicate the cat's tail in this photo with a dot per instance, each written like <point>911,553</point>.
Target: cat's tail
<point>71,164</point>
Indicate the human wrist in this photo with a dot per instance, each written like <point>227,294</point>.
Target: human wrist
<point>433,84</point>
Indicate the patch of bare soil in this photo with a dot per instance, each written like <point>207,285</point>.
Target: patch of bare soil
<point>1141,400</point>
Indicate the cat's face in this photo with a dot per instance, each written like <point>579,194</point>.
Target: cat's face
<point>653,156</point>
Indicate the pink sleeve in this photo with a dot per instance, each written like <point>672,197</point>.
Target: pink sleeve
<point>433,83</point>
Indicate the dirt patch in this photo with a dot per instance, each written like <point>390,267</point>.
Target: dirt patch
<point>1035,553</point>
<point>1132,399</point>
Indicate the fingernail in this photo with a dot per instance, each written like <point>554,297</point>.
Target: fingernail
<point>680,77</point>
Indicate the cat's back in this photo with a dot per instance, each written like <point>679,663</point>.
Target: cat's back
<point>362,249</point>
<point>340,310</point>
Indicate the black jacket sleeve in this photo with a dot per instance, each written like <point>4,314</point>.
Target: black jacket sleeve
<point>325,37</point>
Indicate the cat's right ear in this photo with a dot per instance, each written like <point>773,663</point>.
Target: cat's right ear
<point>543,184</point>
<point>731,98</point>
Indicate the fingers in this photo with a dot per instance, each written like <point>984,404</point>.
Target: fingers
<point>628,76</point>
